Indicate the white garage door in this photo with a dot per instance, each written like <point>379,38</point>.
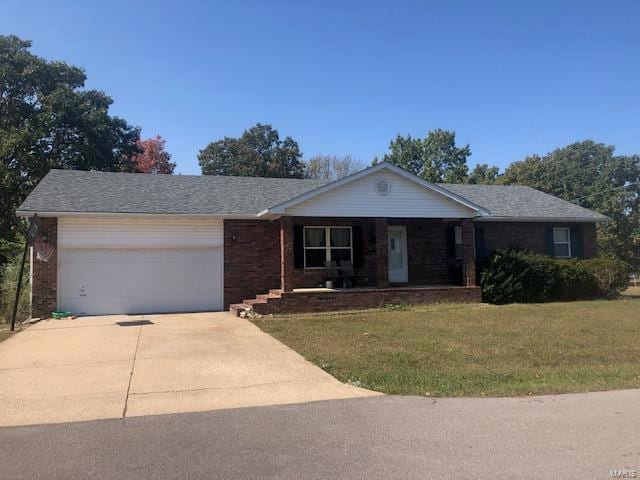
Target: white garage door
<point>97,282</point>
<point>111,265</point>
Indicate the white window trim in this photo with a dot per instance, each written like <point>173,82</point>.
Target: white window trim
<point>567,243</point>
<point>327,241</point>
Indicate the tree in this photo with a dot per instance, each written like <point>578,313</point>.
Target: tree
<point>591,175</point>
<point>153,158</point>
<point>48,121</point>
<point>436,158</point>
<point>258,152</point>
<point>483,173</point>
<point>328,168</point>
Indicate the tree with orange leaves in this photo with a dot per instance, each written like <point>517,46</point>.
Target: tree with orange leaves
<point>154,158</point>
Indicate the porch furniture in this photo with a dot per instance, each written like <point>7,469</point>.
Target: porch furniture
<point>343,274</point>
<point>332,271</point>
<point>346,270</point>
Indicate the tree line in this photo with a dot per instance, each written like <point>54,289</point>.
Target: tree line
<point>49,120</point>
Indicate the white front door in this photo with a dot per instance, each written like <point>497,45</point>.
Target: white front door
<point>397,245</point>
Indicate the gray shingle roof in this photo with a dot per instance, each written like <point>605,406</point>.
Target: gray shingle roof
<point>522,202</point>
<point>72,191</point>
<point>107,192</point>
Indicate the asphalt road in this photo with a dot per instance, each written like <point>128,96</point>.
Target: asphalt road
<point>567,436</point>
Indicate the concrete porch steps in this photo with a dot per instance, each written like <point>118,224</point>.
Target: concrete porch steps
<point>260,300</point>
<point>236,308</point>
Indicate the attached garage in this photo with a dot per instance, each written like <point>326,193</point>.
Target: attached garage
<point>139,264</point>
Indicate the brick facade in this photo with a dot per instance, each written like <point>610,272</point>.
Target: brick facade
<point>531,236</point>
<point>251,258</point>
<point>468,254</point>
<point>44,288</point>
<point>426,251</point>
<point>253,265</point>
<point>590,239</point>
<point>253,251</point>
<point>381,259</point>
<point>355,299</point>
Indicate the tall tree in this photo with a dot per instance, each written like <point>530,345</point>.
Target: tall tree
<point>435,158</point>
<point>153,157</point>
<point>591,175</point>
<point>47,120</point>
<point>328,168</point>
<point>483,173</point>
<point>258,152</point>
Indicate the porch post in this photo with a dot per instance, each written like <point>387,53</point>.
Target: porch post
<point>382,254</point>
<point>286,254</point>
<point>468,254</point>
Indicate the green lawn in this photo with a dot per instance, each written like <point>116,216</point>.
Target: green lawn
<point>474,350</point>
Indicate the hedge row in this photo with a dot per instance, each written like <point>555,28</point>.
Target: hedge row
<point>518,276</point>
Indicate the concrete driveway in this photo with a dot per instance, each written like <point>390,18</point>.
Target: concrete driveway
<point>93,368</point>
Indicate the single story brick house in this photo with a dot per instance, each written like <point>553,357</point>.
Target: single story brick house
<point>144,243</point>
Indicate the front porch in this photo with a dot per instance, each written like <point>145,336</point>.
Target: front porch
<point>391,260</point>
<point>384,252</point>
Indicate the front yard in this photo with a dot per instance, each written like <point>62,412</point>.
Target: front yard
<point>474,350</point>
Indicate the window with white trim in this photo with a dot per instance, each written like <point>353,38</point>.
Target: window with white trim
<point>457,233</point>
<point>323,244</point>
<point>562,243</point>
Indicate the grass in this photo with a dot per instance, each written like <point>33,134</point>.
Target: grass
<point>474,350</point>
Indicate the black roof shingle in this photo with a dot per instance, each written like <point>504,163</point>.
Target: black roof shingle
<point>518,201</point>
<point>109,192</point>
<point>72,191</point>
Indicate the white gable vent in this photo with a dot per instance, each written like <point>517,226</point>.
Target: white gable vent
<point>383,187</point>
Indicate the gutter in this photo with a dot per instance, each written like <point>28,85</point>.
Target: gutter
<point>544,219</point>
<point>239,216</point>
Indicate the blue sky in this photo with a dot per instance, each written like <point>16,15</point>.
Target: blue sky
<point>511,78</point>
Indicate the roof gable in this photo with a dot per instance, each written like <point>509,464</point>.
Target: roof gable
<point>358,195</point>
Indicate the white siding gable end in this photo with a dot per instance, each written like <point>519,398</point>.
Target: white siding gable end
<point>381,193</point>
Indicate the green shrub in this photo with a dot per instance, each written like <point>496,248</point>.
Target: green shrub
<point>611,275</point>
<point>574,281</point>
<point>8,282</point>
<point>518,276</point>
<point>514,276</point>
